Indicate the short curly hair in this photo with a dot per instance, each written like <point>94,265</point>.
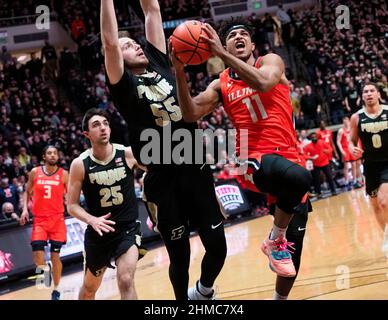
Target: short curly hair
<point>227,26</point>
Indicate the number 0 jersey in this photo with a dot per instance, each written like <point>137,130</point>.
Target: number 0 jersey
<point>48,192</point>
<point>109,187</point>
<point>373,133</point>
<point>267,116</point>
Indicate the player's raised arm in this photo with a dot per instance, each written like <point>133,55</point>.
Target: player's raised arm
<point>114,62</point>
<point>194,108</point>
<point>153,24</point>
<point>100,224</point>
<point>263,79</point>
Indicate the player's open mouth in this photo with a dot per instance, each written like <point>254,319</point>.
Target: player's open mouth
<point>240,45</point>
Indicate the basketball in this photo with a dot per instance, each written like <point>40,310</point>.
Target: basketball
<point>189,47</point>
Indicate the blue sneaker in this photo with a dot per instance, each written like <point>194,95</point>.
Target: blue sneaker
<point>55,295</point>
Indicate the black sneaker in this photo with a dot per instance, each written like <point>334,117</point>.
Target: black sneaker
<point>55,295</point>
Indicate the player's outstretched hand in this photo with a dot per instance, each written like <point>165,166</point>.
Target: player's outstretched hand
<point>214,40</point>
<point>102,224</point>
<point>24,218</point>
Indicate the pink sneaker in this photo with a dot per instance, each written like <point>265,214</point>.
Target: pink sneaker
<point>279,256</point>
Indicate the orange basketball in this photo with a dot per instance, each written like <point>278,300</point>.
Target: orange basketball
<point>188,46</point>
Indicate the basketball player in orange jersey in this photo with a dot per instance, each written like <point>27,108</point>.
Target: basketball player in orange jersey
<point>326,135</point>
<point>47,186</point>
<point>343,138</point>
<point>256,97</point>
<point>370,125</point>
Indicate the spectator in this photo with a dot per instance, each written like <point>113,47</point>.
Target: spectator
<point>78,29</point>
<point>336,104</point>
<point>8,212</point>
<point>311,108</point>
<point>270,27</point>
<point>285,21</point>
<point>49,56</point>
<point>35,66</point>
<point>317,151</point>
<point>214,66</point>
<point>5,56</point>
<point>352,98</point>
<point>8,193</point>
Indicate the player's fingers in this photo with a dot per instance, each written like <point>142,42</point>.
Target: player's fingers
<point>98,231</point>
<point>107,215</point>
<point>209,31</point>
<point>206,39</point>
<point>109,222</point>
<point>107,227</point>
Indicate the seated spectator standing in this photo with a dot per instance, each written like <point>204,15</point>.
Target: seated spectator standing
<point>311,108</point>
<point>336,104</point>
<point>317,151</point>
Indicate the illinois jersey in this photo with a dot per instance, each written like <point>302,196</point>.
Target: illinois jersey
<point>48,193</point>
<point>327,136</point>
<point>267,117</point>
<point>345,139</point>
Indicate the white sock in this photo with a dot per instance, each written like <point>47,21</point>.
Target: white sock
<point>204,290</point>
<point>276,232</point>
<point>277,296</point>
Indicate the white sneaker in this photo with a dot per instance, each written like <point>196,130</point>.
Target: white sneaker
<point>194,294</point>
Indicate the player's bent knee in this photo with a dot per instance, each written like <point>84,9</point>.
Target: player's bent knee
<point>125,281</point>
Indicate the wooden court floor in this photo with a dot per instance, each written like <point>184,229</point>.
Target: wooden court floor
<point>342,259</point>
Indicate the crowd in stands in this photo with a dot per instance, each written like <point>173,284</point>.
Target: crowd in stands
<point>336,63</point>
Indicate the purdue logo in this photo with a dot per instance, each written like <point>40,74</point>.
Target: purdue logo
<point>177,233</point>
<point>109,177</point>
<point>155,93</point>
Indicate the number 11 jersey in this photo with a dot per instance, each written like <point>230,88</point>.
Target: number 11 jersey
<point>266,116</point>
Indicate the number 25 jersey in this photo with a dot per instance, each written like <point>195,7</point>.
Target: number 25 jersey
<point>109,187</point>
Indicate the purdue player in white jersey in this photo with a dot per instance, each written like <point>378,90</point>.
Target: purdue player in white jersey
<point>370,124</point>
<point>104,174</point>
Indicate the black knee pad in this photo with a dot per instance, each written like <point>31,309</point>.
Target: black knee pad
<point>284,179</point>
<point>55,246</point>
<point>38,245</point>
<point>297,182</point>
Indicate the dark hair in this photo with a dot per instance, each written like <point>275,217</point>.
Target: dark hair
<point>228,26</point>
<point>121,34</point>
<point>370,84</point>
<point>93,112</point>
<point>48,147</point>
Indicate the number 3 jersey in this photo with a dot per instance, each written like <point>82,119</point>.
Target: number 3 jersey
<point>48,192</point>
<point>267,117</point>
<point>373,132</point>
<point>109,187</point>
